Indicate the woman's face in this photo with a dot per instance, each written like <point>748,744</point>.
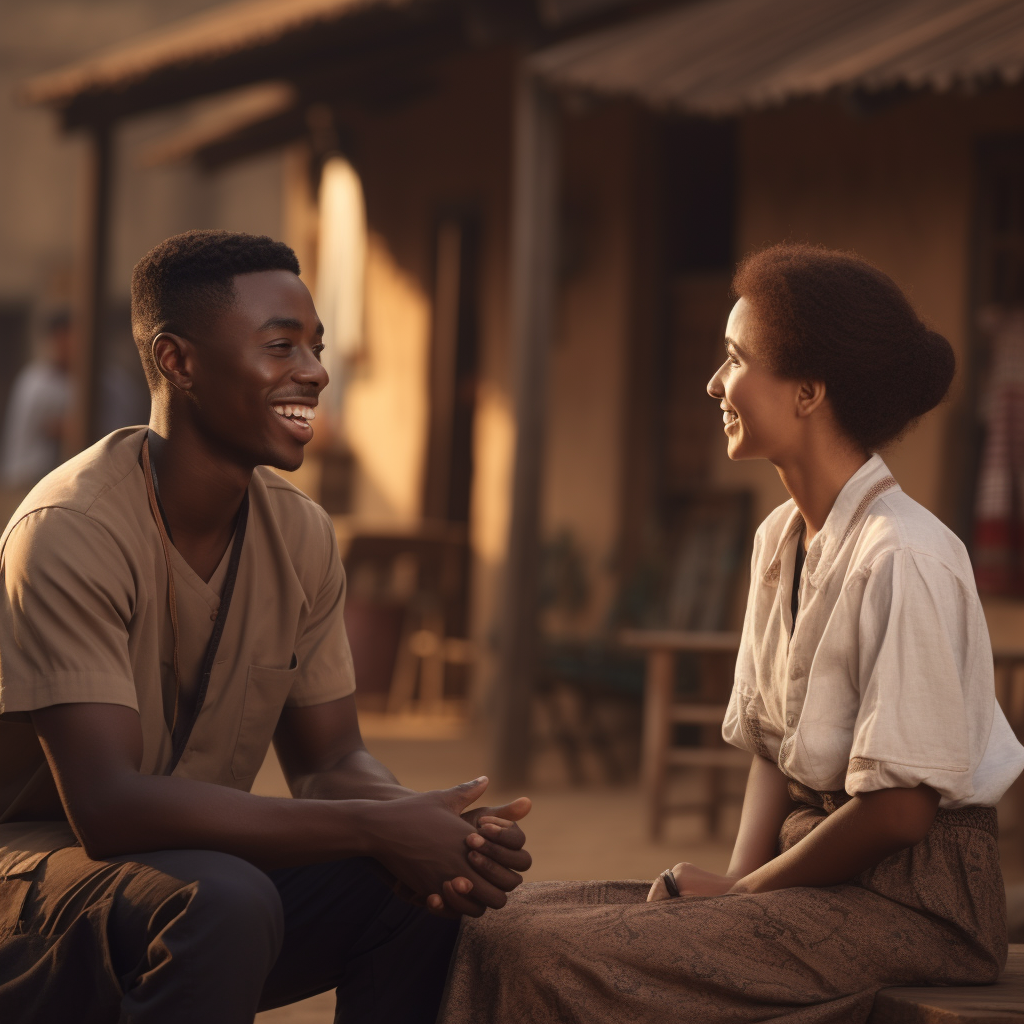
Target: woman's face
<point>759,408</point>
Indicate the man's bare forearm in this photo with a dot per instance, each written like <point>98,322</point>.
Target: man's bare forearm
<point>856,837</point>
<point>143,813</point>
<point>357,776</point>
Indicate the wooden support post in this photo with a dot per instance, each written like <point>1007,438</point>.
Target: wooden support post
<point>90,304</point>
<point>534,271</point>
<point>658,688</point>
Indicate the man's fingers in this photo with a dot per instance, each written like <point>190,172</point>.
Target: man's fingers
<point>504,878</point>
<point>461,796</point>
<point>435,904</point>
<point>460,904</point>
<point>489,895</point>
<point>515,811</point>
<point>515,858</point>
<point>510,836</point>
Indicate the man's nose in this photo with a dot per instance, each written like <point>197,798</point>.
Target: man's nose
<point>311,371</point>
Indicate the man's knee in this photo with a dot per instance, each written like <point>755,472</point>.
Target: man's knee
<point>224,899</point>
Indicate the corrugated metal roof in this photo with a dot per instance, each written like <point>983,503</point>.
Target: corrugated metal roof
<point>201,38</point>
<point>719,57</point>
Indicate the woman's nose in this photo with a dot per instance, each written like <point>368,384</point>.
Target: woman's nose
<point>715,387</point>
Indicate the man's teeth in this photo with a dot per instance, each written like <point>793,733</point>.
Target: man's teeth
<point>301,412</point>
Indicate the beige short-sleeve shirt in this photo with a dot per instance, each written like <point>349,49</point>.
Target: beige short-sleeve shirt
<point>887,678</point>
<point>84,617</point>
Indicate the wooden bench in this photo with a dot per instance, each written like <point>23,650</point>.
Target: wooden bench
<point>969,1004</point>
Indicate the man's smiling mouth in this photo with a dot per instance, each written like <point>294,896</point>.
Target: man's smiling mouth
<point>297,419</point>
<point>299,413</point>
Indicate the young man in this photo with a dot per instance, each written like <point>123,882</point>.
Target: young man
<point>168,608</point>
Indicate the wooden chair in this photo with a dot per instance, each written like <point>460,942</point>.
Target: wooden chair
<point>406,615</point>
<point>716,652</point>
<point>689,585</point>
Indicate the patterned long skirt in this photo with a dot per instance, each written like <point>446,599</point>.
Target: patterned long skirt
<point>598,953</point>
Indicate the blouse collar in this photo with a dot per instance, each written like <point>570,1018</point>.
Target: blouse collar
<point>869,483</point>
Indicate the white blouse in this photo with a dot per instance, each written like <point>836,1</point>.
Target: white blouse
<point>887,680</point>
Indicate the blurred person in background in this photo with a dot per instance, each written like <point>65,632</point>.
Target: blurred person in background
<point>37,409</point>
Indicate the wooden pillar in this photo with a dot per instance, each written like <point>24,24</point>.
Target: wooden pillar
<point>534,272</point>
<point>91,298</point>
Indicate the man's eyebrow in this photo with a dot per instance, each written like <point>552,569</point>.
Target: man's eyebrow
<point>730,344</point>
<point>287,323</point>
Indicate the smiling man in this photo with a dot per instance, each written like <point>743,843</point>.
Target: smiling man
<point>170,607</point>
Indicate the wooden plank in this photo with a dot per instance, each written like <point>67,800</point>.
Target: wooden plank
<point>657,699</point>
<point>971,1004</point>
<point>534,270</point>
<point>698,714</point>
<point>708,757</point>
<point>91,292</point>
<point>678,640</point>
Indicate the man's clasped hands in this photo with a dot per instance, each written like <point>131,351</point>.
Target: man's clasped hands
<point>452,860</point>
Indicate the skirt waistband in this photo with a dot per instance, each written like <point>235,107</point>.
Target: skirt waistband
<point>983,818</point>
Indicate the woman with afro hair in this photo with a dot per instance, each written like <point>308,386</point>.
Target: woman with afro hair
<point>866,855</point>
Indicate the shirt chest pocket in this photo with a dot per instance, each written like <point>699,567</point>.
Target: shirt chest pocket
<point>266,690</point>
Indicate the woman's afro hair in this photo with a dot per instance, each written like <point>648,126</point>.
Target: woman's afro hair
<point>832,316</point>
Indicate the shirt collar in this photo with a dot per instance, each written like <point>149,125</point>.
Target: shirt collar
<point>869,483</point>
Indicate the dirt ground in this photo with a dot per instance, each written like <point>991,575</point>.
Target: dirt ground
<point>573,833</point>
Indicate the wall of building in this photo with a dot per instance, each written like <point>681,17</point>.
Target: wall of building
<point>584,471</point>
<point>41,173</point>
<point>447,148</point>
<point>896,186</point>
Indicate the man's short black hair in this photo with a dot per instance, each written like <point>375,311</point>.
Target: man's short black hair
<point>187,278</point>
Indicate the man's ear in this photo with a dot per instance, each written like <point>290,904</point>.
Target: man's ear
<point>173,357</point>
<point>809,396</point>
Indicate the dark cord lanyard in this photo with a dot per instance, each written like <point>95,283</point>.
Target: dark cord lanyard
<point>181,729</point>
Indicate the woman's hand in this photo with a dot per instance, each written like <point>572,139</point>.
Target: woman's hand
<point>691,881</point>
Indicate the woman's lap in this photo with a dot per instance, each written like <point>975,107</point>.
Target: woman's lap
<point>596,952</point>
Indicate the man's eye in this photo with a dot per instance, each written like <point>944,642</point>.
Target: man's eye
<point>318,351</point>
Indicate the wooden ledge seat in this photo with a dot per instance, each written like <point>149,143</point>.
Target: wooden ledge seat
<point>969,1004</point>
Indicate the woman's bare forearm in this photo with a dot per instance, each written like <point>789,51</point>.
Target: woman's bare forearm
<point>853,839</point>
<point>766,804</point>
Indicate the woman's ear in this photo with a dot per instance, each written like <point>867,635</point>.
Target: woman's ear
<point>172,355</point>
<point>809,396</point>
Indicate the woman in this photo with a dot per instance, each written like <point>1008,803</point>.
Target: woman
<point>866,854</point>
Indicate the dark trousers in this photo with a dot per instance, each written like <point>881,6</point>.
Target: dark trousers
<point>195,937</point>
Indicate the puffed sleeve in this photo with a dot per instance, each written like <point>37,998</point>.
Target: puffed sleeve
<point>324,658</point>
<point>926,681</point>
<point>66,601</point>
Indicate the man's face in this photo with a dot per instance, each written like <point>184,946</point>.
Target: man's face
<point>257,373</point>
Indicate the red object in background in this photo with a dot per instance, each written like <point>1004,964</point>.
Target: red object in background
<point>374,631</point>
<point>998,550</point>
